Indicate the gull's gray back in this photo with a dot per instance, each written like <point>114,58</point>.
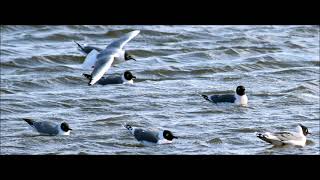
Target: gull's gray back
<point>47,127</point>
<point>110,80</point>
<point>286,136</point>
<point>143,135</point>
<point>222,98</point>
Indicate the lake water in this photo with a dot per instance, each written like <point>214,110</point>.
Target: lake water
<point>278,65</point>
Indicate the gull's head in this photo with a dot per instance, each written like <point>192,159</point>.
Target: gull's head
<point>241,90</point>
<point>168,135</point>
<point>65,127</point>
<point>304,129</point>
<point>128,75</point>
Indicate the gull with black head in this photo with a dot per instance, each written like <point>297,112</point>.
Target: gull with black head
<point>49,128</point>
<point>149,137</point>
<point>239,97</point>
<point>298,138</point>
<point>126,78</point>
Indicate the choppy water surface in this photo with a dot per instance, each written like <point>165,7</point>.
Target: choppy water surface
<point>278,65</point>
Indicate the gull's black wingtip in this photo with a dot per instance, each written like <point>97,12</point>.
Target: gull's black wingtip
<point>205,97</point>
<point>29,121</point>
<point>88,76</point>
<point>80,47</point>
<point>78,44</point>
<point>261,136</point>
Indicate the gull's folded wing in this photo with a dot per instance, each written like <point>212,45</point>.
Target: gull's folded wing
<point>285,136</point>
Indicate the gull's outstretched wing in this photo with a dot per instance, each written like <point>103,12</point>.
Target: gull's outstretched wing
<point>102,65</point>
<point>123,40</point>
<point>90,60</point>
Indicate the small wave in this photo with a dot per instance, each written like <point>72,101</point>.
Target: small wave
<point>298,90</point>
<point>33,84</point>
<point>244,130</point>
<point>6,91</point>
<point>214,141</point>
